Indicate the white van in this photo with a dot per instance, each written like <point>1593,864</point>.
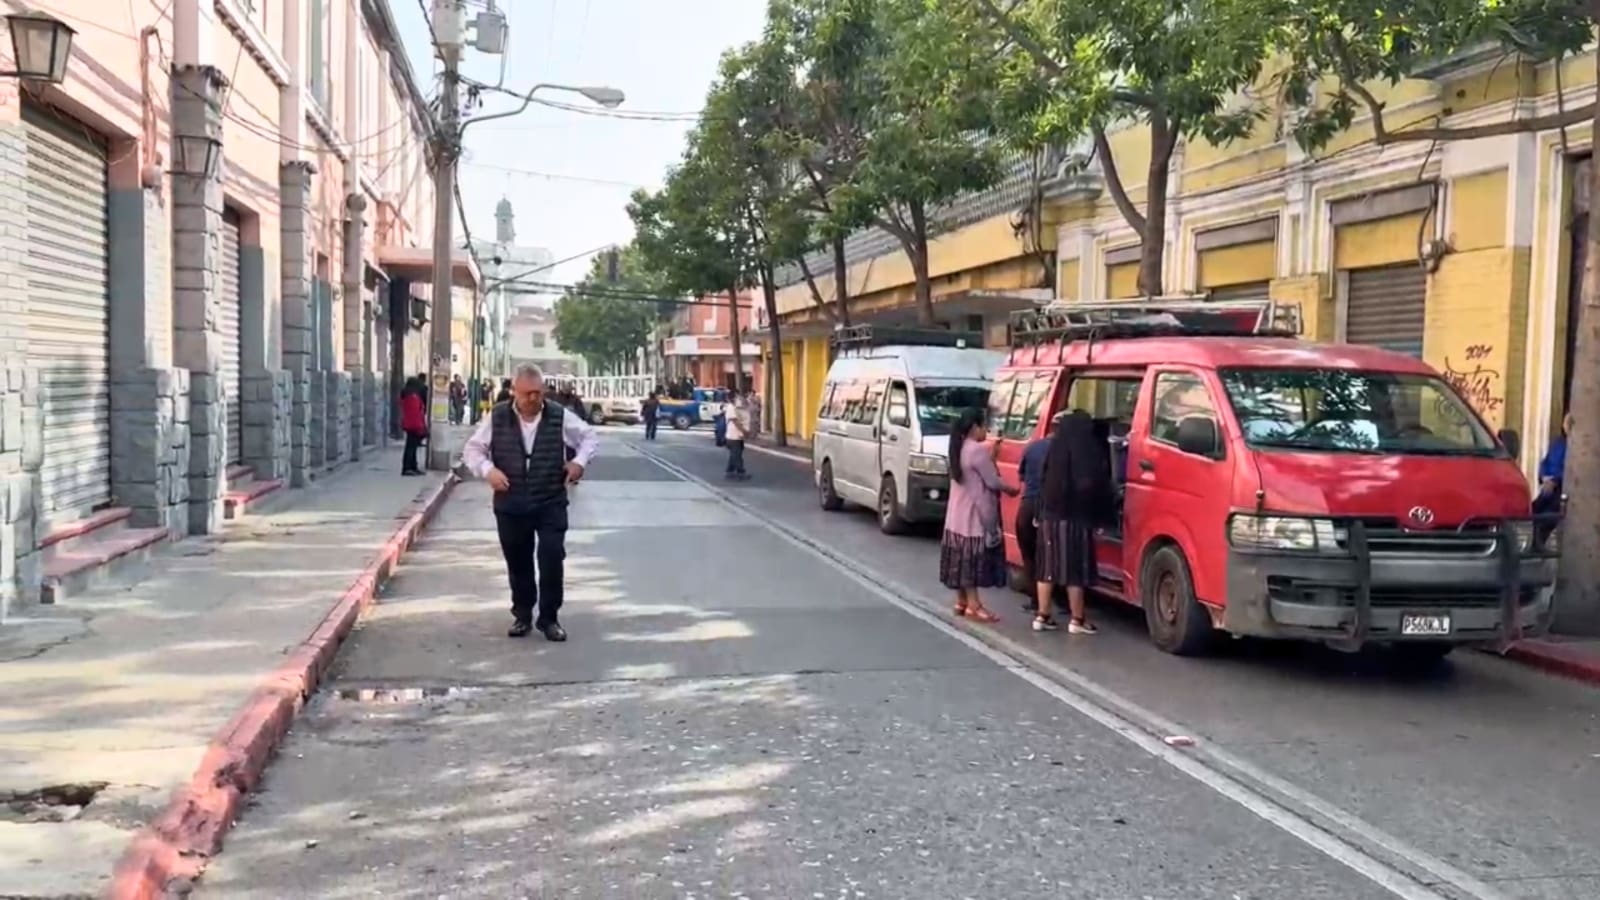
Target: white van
<point>883,427</point>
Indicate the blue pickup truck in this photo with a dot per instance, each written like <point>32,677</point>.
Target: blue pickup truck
<point>702,409</point>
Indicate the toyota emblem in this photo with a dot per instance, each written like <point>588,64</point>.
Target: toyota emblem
<point>1421,515</point>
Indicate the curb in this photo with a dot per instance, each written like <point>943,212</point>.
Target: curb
<point>1556,658</point>
<point>175,847</point>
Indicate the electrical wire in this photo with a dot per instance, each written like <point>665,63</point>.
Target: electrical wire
<point>518,278</point>
<point>512,170</point>
<point>634,115</point>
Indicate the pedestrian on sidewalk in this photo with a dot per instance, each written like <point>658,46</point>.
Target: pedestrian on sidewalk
<point>519,449</point>
<point>737,413</point>
<point>1026,526</point>
<point>1547,505</point>
<point>754,398</point>
<point>972,552</point>
<point>651,410</point>
<point>414,423</point>
<point>1076,495</point>
<point>458,400</point>
<point>505,392</point>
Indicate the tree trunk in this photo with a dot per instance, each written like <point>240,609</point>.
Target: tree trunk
<point>1578,578</point>
<point>734,336</point>
<point>1153,242</point>
<point>841,282</point>
<point>775,395</point>
<point>917,249</point>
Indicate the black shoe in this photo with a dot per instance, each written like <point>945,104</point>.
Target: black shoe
<point>554,632</point>
<point>520,629</point>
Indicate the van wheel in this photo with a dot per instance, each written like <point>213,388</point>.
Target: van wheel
<point>831,501</point>
<point>889,519</point>
<point>1177,622</point>
<point>681,422</point>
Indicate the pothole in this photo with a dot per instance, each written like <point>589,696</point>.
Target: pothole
<point>381,696</point>
<point>57,803</point>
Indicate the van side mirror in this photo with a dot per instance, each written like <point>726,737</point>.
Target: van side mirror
<point>1512,441</point>
<point>1198,435</point>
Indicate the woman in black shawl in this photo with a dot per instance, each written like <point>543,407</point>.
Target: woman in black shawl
<point>1077,490</point>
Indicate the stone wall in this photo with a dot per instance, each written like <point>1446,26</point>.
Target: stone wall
<point>267,417</point>
<point>338,448</point>
<point>374,410</point>
<point>21,454</point>
<point>317,441</point>
<point>150,412</point>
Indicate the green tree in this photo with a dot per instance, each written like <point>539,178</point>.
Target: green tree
<point>1339,49</point>
<point>1081,67</point>
<point>606,321</point>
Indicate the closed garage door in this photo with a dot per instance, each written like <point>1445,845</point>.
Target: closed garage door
<point>69,341</point>
<point>1385,308</point>
<point>228,324</point>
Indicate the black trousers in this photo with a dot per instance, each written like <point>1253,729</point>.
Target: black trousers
<point>1028,538</point>
<point>539,536</point>
<point>736,457</point>
<point>650,428</point>
<point>408,458</point>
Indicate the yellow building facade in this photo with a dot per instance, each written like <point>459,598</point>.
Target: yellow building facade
<point>1461,253</point>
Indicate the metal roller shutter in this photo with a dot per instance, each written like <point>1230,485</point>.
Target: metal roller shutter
<point>228,324</point>
<point>1385,307</point>
<point>69,328</point>
<point>1253,290</point>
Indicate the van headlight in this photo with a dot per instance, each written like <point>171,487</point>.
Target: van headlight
<point>928,464</point>
<point>1285,533</point>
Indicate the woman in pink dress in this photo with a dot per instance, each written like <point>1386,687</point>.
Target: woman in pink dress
<point>972,553</point>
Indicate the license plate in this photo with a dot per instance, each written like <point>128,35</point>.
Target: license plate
<point>1424,625</point>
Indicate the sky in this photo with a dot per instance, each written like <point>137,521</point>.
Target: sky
<point>662,53</point>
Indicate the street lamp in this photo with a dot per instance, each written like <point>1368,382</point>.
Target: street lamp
<point>41,45</point>
<point>609,97</point>
<point>196,154</point>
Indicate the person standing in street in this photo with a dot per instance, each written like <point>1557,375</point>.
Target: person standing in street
<point>651,410</point>
<point>1075,496</point>
<point>737,414</point>
<point>413,423</point>
<point>1026,527</point>
<point>520,450</point>
<point>458,400</point>
<point>505,392</point>
<point>972,553</point>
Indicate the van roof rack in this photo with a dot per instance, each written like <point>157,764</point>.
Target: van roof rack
<point>862,337</point>
<point>1153,317</point>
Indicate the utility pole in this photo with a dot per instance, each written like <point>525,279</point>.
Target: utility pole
<point>447,30</point>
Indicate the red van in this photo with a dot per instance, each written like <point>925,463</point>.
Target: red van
<point>1274,487</point>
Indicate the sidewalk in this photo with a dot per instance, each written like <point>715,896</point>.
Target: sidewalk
<point>113,699</point>
<point>1577,658</point>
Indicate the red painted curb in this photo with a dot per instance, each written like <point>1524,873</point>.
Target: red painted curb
<point>175,848</point>
<point>1566,660</point>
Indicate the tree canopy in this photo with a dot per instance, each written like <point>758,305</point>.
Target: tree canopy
<point>606,322</point>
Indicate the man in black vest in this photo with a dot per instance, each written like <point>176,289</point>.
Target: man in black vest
<point>520,448</point>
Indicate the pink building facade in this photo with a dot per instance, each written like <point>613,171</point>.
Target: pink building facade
<point>209,237</point>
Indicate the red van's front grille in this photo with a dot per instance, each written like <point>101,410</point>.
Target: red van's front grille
<point>1291,590</point>
<point>1386,536</point>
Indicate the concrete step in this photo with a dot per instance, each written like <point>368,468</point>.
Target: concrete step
<point>244,490</point>
<point>91,527</point>
<point>88,559</point>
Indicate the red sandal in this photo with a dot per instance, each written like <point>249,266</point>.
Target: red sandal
<point>982,614</point>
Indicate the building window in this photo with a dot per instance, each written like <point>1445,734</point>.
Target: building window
<point>538,340</point>
<point>319,52</point>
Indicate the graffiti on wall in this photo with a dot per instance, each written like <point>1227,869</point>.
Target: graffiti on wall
<point>1482,386</point>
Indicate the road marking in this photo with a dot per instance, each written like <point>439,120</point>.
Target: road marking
<point>1338,834</point>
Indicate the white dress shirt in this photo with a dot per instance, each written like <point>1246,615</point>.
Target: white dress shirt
<point>575,433</point>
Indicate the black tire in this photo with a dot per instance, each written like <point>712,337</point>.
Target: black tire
<point>890,521</point>
<point>681,422</point>
<point>1416,658</point>
<point>597,415</point>
<point>830,499</point>
<point>1177,623</point>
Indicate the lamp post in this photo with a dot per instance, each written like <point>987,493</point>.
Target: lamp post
<point>41,45</point>
<point>196,154</point>
<point>447,154</point>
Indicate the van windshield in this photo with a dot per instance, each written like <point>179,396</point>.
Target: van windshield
<point>1343,410</point>
<point>939,406</point>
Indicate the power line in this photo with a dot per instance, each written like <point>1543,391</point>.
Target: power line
<point>554,176</point>
<point>515,279</point>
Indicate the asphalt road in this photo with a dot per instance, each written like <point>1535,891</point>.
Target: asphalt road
<point>761,699</point>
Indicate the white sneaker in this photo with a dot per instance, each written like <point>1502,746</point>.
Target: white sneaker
<point>1081,628</point>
